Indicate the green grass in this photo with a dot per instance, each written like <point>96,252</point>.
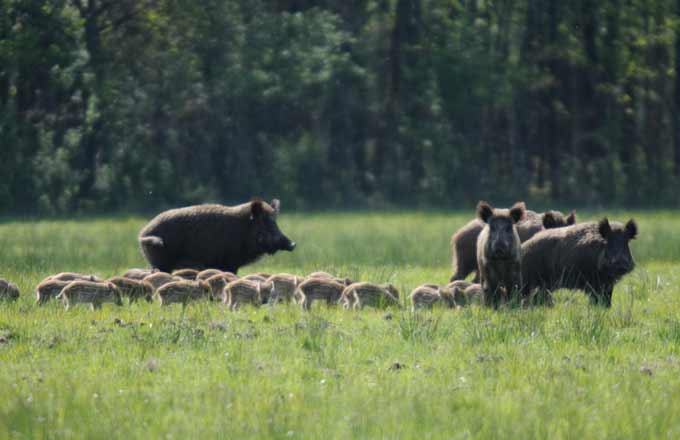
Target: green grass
<point>572,371</point>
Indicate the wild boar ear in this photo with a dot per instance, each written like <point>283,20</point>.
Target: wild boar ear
<point>571,219</point>
<point>276,204</point>
<point>549,220</point>
<point>631,229</point>
<point>256,209</point>
<point>604,228</point>
<point>484,211</point>
<point>517,211</point>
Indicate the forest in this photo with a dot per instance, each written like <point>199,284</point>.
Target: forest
<point>135,105</point>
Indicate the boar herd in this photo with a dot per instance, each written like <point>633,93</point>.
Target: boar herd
<point>517,256</point>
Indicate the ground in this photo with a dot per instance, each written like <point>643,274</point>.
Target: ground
<point>573,371</point>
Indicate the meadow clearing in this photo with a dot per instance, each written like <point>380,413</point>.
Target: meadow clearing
<point>572,371</point>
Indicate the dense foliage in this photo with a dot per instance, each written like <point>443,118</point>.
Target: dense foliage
<point>138,104</point>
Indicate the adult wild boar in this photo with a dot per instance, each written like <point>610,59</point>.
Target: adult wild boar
<point>499,251</point>
<point>213,236</point>
<point>591,257</point>
<point>464,241</point>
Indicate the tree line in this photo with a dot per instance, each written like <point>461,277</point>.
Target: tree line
<point>110,105</point>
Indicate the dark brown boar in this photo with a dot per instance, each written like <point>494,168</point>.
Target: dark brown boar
<point>464,241</point>
<point>591,257</point>
<point>499,252</point>
<point>213,236</point>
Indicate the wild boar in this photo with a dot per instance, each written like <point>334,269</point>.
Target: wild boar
<point>89,292</point>
<point>358,295</point>
<point>138,274</point>
<point>133,289</point>
<point>213,236</point>
<point>313,289</point>
<point>457,289</point>
<point>183,292</point>
<point>591,257</point>
<point>499,252</point>
<point>49,289</point>
<point>218,283</point>
<point>427,295</point>
<point>186,274</point>
<point>159,279</point>
<point>464,241</point>
<point>241,292</point>
<point>283,287</point>
<point>74,276</point>
<point>205,274</point>
<point>8,291</point>
<point>327,276</point>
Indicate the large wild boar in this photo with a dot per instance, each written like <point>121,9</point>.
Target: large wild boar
<point>499,251</point>
<point>213,236</point>
<point>464,241</point>
<point>591,257</point>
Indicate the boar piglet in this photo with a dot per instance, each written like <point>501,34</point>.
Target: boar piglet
<point>138,274</point>
<point>243,291</point>
<point>213,236</point>
<point>499,252</point>
<point>183,292</point>
<point>591,257</point>
<point>133,289</point>
<point>90,292</point>
<point>283,287</point>
<point>158,279</point>
<point>48,289</point>
<point>186,274</point>
<point>8,291</point>
<point>358,295</point>
<point>314,289</point>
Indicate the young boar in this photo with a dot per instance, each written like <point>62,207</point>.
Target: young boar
<point>186,274</point>
<point>74,276</point>
<point>90,292</point>
<point>217,284</point>
<point>499,252</point>
<point>159,279</point>
<point>327,276</point>
<point>8,291</point>
<point>205,274</point>
<point>464,241</point>
<point>241,292</point>
<point>183,292</point>
<point>213,236</point>
<point>427,295</point>
<point>591,257</point>
<point>133,289</point>
<point>48,289</point>
<point>138,274</point>
<point>313,289</point>
<point>358,295</point>
<point>283,287</point>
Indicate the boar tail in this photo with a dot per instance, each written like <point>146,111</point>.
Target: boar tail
<point>152,240</point>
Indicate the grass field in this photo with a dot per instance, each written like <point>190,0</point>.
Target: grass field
<point>573,371</point>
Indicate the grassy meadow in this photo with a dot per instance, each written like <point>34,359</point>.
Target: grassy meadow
<point>572,371</point>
